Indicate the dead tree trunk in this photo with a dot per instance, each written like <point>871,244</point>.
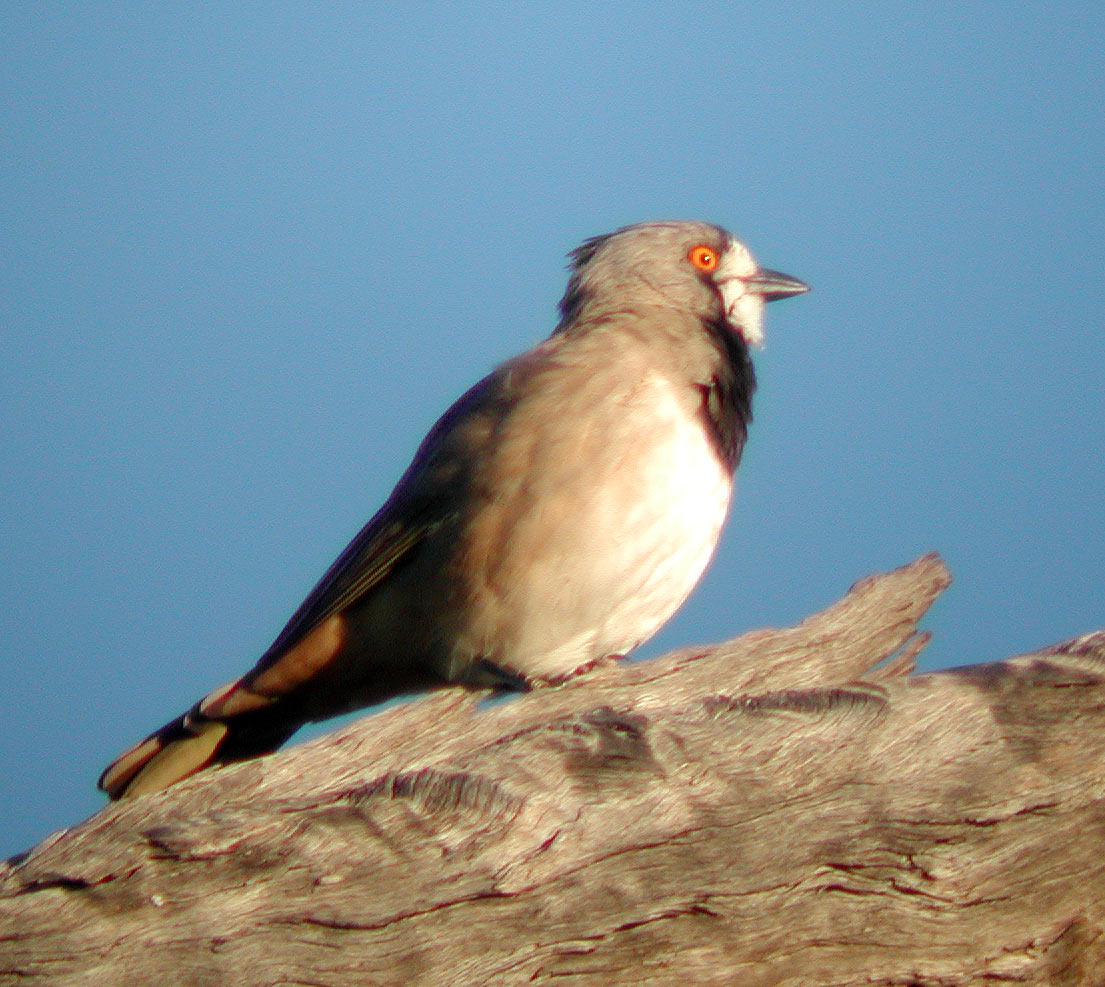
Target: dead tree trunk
<point>774,810</point>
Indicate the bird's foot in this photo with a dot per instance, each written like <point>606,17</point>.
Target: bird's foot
<point>500,677</point>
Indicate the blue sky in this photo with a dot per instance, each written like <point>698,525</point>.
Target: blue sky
<point>251,252</point>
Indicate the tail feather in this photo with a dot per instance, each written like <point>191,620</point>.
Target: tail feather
<point>256,713</point>
<point>177,750</point>
<point>225,726</point>
<point>252,715</point>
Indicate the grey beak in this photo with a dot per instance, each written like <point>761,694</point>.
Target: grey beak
<point>773,285</point>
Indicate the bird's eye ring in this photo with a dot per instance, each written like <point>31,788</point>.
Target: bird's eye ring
<point>703,257</point>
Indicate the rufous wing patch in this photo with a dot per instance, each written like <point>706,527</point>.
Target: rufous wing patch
<point>232,699</point>
<point>302,662</point>
<point>290,671</point>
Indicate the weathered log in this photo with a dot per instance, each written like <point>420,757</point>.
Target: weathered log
<point>791,807</point>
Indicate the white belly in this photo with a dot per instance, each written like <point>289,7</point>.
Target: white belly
<point>610,546</point>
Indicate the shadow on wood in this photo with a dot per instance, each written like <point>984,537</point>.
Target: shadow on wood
<point>790,807</point>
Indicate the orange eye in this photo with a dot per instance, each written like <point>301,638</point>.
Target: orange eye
<point>703,257</point>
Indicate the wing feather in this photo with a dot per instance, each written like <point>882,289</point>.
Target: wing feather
<point>428,496</point>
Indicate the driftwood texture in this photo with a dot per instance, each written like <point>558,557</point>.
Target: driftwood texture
<point>781,809</point>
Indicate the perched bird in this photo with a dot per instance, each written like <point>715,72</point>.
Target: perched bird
<point>559,513</point>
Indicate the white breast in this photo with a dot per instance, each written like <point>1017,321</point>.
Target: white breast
<point>637,519</point>
<point>683,509</point>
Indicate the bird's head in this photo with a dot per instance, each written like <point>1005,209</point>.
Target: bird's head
<point>691,266</point>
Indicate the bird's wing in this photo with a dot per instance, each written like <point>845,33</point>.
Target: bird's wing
<point>376,550</point>
<point>427,497</point>
<point>244,717</point>
<point>256,713</point>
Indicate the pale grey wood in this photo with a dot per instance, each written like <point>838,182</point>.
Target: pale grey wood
<point>774,810</point>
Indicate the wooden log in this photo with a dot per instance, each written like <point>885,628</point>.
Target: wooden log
<point>790,807</point>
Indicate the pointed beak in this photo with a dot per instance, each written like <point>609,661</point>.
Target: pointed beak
<point>773,285</point>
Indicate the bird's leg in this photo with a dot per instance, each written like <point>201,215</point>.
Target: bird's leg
<point>489,673</point>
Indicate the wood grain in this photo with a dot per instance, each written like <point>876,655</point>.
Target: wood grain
<point>790,807</point>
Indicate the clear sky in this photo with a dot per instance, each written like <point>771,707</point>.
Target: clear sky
<point>251,252</point>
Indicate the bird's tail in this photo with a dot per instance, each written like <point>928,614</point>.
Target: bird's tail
<point>229,724</point>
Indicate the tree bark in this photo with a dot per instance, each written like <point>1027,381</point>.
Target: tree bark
<point>791,807</point>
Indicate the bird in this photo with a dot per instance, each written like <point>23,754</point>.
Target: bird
<point>557,515</point>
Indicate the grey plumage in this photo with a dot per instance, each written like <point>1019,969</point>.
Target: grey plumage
<point>559,512</point>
